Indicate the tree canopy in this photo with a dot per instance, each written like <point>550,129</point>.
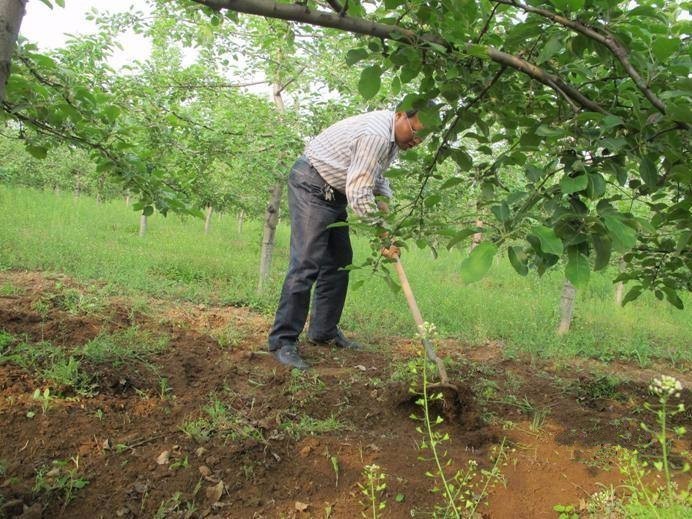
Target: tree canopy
<point>563,126</point>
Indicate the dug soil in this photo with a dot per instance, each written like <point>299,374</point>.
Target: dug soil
<point>209,425</point>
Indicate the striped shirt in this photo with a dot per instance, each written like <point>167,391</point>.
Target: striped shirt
<point>352,155</point>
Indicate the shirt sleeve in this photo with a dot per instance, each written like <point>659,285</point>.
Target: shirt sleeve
<point>369,153</point>
<point>382,187</point>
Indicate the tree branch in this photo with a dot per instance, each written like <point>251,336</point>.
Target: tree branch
<point>618,50</point>
<point>300,13</point>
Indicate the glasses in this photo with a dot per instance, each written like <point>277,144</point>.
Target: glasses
<point>414,133</point>
<point>417,139</point>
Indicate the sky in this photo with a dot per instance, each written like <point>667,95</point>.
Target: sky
<point>48,27</point>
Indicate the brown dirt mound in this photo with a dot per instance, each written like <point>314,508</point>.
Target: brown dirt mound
<point>211,426</point>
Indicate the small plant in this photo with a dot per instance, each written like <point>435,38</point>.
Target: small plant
<point>462,490</point>
<point>372,488</point>
<point>566,512</point>
<point>99,414</point>
<point>644,499</point>
<point>44,397</point>
<point>63,478</point>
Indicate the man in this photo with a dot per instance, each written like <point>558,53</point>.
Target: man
<point>343,166</point>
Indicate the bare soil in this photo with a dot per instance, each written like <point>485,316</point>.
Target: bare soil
<point>557,422</point>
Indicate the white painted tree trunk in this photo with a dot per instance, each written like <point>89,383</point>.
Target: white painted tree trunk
<point>127,200</point>
<point>241,221</point>
<point>11,15</point>
<point>566,307</point>
<point>270,222</point>
<point>142,225</point>
<point>207,220</point>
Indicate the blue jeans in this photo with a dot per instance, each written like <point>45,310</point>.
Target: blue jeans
<point>318,256</point>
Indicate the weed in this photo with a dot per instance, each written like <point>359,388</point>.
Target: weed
<point>372,488</point>
<point>180,464</point>
<point>229,337</point>
<point>72,300</point>
<point>604,387</point>
<point>127,346</point>
<point>538,419</point>
<point>566,512</point>
<point>65,372</point>
<point>5,340</point>
<point>464,490</point>
<point>8,289</point>
<point>44,397</point>
<point>307,425</point>
<point>63,478</point>
<point>165,390</point>
<point>99,414</point>
<point>221,420</point>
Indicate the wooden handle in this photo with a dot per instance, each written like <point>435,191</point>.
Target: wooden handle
<point>415,311</point>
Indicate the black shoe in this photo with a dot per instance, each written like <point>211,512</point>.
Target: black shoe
<point>338,341</point>
<point>288,355</point>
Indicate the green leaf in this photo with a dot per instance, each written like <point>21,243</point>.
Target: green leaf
<point>451,182</point>
<point>501,211</point>
<point>477,264</point>
<point>647,170</point>
<point>570,185</point>
<point>664,48</point>
<point>370,81</point>
<point>353,56</point>
<point>624,237</point>
<point>461,235</point>
<point>148,211</point>
<point>547,131</point>
<point>680,112</point>
<point>673,298</point>
<point>432,200</point>
<point>39,152</point>
<point>632,294</point>
<point>518,260</point>
<point>550,243</point>
<point>552,47</point>
<point>577,269</point>
<point>603,247</point>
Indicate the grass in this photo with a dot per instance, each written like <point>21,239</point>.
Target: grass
<point>65,369</point>
<point>93,241</point>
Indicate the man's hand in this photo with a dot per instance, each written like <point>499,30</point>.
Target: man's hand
<point>389,250</point>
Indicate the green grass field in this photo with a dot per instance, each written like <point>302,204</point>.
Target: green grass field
<point>92,241</point>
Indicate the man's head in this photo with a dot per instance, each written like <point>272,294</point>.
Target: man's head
<point>406,128</point>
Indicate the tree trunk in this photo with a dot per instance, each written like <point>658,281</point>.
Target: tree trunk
<point>270,223</point>
<point>566,307</point>
<point>207,220</point>
<point>241,220</point>
<point>127,200</point>
<point>142,225</point>
<point>11,14</point>
<point>620,286</point>
<point>272,216</point>
<point>477,237</point>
